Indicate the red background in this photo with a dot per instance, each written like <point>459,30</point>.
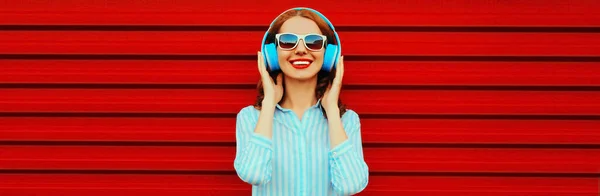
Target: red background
<point>456,97</point>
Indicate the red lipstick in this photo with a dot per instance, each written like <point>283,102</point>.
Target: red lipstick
<point>301,63</point>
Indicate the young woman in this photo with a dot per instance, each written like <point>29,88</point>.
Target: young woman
<point>298,138</point>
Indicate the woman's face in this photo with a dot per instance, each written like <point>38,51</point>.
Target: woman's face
<point>300,63</point>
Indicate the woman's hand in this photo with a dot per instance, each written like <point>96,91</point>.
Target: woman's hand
<point>272,92</point>
<point>332,94</point>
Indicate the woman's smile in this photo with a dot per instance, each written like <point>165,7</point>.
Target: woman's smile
<point>300,63</point>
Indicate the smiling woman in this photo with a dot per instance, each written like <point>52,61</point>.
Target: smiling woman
<point>323,46</point>
<point>299,139</point>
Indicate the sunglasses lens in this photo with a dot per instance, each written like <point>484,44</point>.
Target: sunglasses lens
<point>314,42</point>
<point>287,41</point>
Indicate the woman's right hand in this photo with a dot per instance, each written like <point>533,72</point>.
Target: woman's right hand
<point>272,92</point>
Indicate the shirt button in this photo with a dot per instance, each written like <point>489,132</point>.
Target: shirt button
<point>334,154</point>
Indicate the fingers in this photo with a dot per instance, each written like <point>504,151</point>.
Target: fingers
<point>339,72</point>
<point>260,63</point>
<point>261,67</point>
<point>341,68</point>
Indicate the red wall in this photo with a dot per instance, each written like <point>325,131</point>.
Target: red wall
<point>456,97</point>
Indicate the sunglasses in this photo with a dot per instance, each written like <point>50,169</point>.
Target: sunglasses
<point>289,41</point>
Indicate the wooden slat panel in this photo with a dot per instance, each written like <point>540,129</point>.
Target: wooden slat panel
<point>247,43</point>
<point>132,71</point>
<point>117,157</point>
<point>118,129</point>
<point>148,100</point>
<point>356,72</point>
<point>346,13</point>
<point>472,186</point>
<point>483,160</point>
<point>379,159</point>
<point>82,184</point>
<point>230,101</point>
<point>131,184</point>
<point>373,130</point>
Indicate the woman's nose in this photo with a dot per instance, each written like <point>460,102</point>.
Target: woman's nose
<point>300,49</point>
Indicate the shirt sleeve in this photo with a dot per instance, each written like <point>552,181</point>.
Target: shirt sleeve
<point>253,152</point>
<point>349,171</point>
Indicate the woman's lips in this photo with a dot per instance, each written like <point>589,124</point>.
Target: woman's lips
<point>301,64</point>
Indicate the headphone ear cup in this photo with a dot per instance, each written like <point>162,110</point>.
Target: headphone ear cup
<point>270,54</point>
<point>330,57</point>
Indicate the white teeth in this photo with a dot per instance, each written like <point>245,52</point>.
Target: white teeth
<point>301,62</point>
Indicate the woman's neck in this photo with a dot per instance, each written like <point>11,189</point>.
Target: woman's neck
<point>299,95</point>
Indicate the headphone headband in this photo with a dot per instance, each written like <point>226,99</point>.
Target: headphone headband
<point>304,8</point>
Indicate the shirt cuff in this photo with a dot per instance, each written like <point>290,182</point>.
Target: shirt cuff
<point>261,140</point>
<point>341,149</point>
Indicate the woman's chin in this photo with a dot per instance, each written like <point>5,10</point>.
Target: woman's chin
<point>302,75</point>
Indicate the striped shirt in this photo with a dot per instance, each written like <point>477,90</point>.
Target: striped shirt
<point>298,160</point>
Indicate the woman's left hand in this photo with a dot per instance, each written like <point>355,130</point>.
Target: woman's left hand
<point>332,94</point>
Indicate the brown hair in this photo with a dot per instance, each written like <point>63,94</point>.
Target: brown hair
<point>323,78</point>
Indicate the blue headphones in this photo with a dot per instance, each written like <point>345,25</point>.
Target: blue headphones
<point>330,58</point>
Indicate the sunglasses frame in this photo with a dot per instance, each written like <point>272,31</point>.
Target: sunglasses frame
<point>301,37</point>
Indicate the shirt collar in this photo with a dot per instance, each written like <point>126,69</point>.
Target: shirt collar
<point>317,105</point>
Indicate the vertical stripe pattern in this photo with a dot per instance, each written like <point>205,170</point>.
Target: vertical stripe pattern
<point>298,160</point>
